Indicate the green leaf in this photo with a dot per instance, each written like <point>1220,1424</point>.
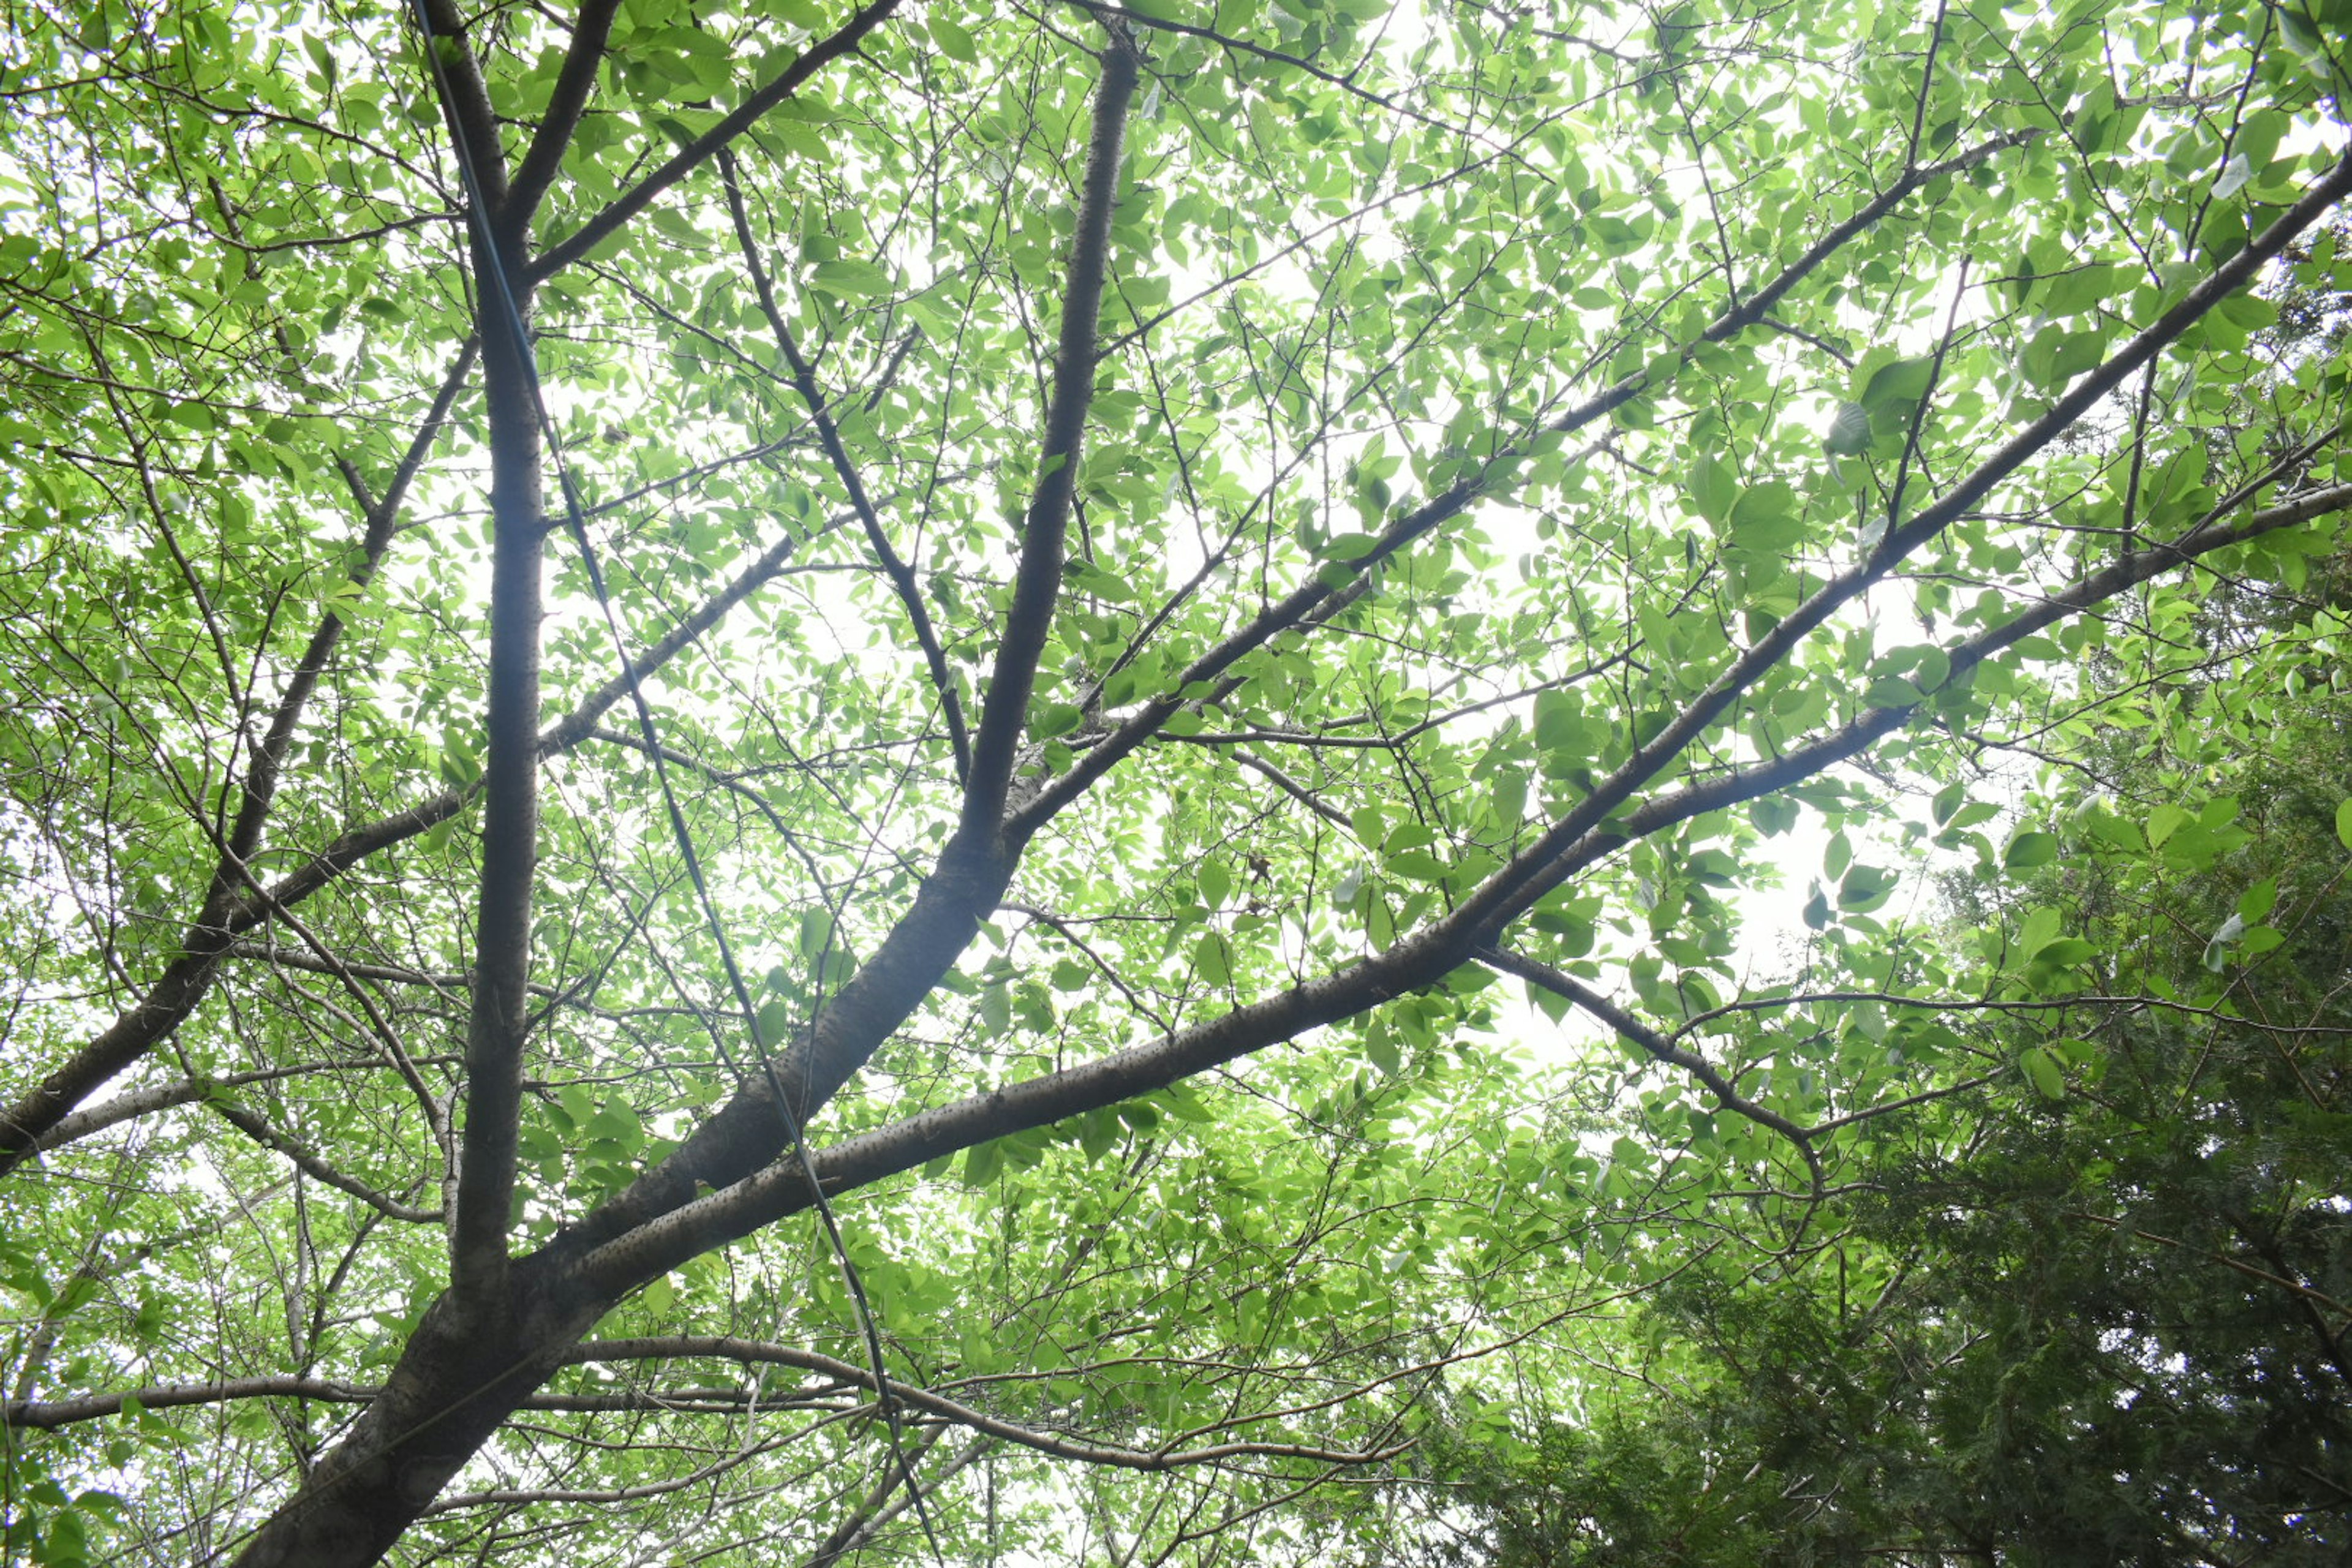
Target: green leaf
<point>1418,864</point>
<point>1866,888</point>
<point>1210,960</point>
<point>850,279</point>
<point>617,1122</point>
<point>1773,815</point>
<point>1713,487</point>
<point>2043,1071</point>
<point>2229,933</point>
<point>1099,1132</point>
<point>953,40</point>
<point>1899,383</point>
<point>2028,851</point>
<point>2063,952</point>
<point>1349,546</point>
<point>1765,518</point>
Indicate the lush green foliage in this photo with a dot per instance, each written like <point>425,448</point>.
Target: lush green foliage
<point>2105,1327</point>
<point>1239,601</point>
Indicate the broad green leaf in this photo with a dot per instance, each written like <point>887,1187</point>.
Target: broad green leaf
<point>2043,1071</point>
<point>1210,960</point>
<point>850,279</point>
<point>953,39</point>
<point>2029,850</point>
<point>1898,383</point>
<point>2064,953</point>
<point>1714,486</point>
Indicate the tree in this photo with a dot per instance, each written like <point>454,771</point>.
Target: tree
<point>2100,1322</point>
<point>1059,590</point>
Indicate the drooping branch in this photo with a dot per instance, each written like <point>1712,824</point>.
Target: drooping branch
<point>889,1497</point>
<point>1656,1045</point>
<point>1044,1442</point>
<point>139,1102</point>
<point>280,1141</point>
<point>50,1415</point>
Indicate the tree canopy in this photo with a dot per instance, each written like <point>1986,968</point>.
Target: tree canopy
<point>1007,783</point>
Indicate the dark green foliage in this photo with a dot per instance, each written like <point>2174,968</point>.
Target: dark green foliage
<point>2113,1328</point>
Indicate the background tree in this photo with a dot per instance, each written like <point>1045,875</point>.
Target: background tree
<point>1049,596</point>
<point>2094,1316</point>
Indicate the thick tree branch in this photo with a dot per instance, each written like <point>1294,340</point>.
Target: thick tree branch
<point>500,1019</point>
<point>1866,729</point>
<point>1418,960</point>
<point>557,122</point>
<point>466,106</point>
<point>1037,577</point>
